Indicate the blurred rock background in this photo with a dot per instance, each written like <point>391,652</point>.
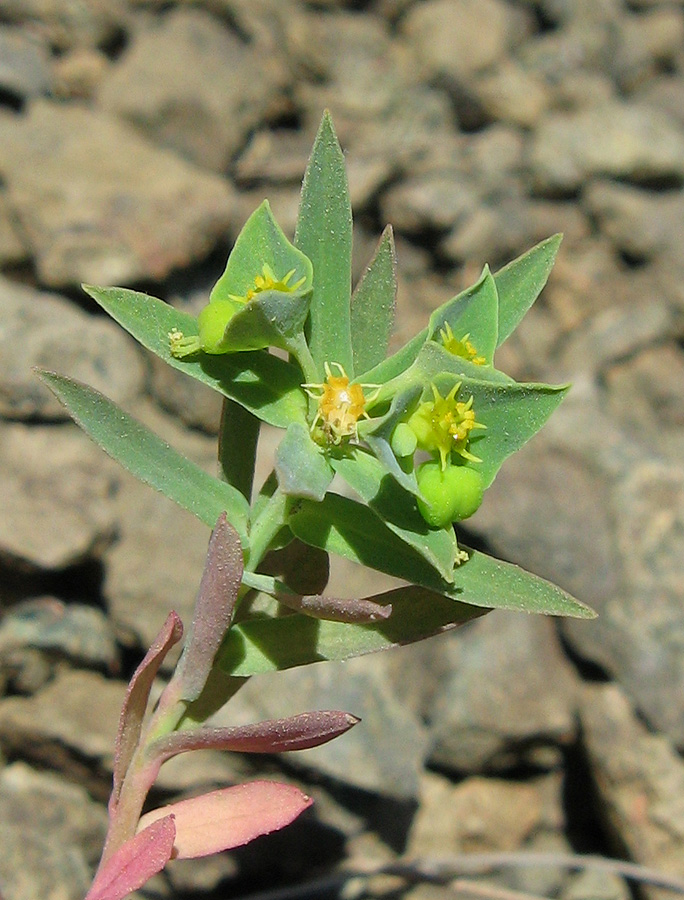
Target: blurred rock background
<point>135,138</point>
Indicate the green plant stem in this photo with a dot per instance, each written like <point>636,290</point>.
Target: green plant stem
<point>265,527</point>
<point>237,446</point>
<point>298,347</point>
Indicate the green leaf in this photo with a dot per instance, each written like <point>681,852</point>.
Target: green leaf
<point>148,457</point>
<point>473,312</point>
<point>261,382</point>
<point>372,306</point>
<point>398,510</point>
<point>261,242</point>
<point>340,525</point>
<point>268,320</point>
<point>521,281</point>
<point>324,234</point>
<point>396,364</point>
<point>267,645</point>
<point>301,467</point>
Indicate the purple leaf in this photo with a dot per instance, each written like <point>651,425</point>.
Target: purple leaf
<point>230,817</point>
<point>274,736</point>
<point>337,609</point>
<point>137,696</point>
<point>135,861</point>
<point>216,599</point>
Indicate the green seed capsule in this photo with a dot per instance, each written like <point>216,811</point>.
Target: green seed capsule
<point>403,441</point>
<point>212,322</point>
<point>450,494</point>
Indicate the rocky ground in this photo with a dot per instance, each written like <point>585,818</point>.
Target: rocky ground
<point>135,138</point>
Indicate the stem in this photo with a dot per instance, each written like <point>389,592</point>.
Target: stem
<point>298,347</point>
<point>238,438</point>
<point>265,527</point>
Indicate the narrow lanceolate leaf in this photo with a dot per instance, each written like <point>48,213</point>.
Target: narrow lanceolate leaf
<point>324,235</point>
<point>262,242</point>
<point>267,645</point>
<point>135,862</point>
<point>230,817</point>
<point>216,600</point>
<point>372,306</point>
<point>521,281</point>
<point>299,732</point>
<point>147,456</point>
<point>261,382</point>
<point>137,697</point>
<point>335,609</point>
<point>339,525</point>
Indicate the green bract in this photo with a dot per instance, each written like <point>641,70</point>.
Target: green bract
<point>347,410</point>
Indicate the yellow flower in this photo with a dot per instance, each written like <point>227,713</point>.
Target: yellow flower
<point>268,282</point>
<point>340,405</point>
<point>443,425</point>
<point>462,348</point>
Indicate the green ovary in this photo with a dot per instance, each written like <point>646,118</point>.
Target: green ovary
<point>449,494</point>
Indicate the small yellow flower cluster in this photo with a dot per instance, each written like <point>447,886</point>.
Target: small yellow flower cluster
<point>340,405</point>
<point>462,348</point>
<point>443,425</point>
<point>268,282</point>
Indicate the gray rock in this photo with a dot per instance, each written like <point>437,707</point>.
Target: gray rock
<point>362,73</point>
<point>647,44</point>
<point>594,885</point>
<point>640,780</point>
<point>74,718</point>
<point>431,201</point>
<point>188,83</point>
<point>510,93</point>
<point>449,38</point>
<point>665,92</point>
<point>51,834</point>
<point>384,753</point>
<point>56,496</point>
<point>506,697</point>
<point>24,64</point>
<point>66,24</point>
<point>480,815</point>
<point>636,143</point>
<point>87,213</point>
<point>45,330</point>
<point>75,631</point>
<point>13,249</point>
<point>157,560</point>
<point>640,223</point>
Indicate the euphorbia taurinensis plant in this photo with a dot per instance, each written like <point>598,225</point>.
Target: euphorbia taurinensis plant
<point>417,436</point>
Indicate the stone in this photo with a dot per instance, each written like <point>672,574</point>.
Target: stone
<point>640,781</point>
<point>664,92</point>
<point>56,496</point>
<point>156,562</point>
<point>47,331</point>
<point>24,64</point>
<point>51,834</point>
<point>66,24</point>
<point>72,719</point>
<point>86,213</point>
<point>477,815</point>
<point>74,631</point>
<point>647,44</point>
<point>78,73</point>
<point>449,38</point>
<point>187,83</point>
<point>639,144</point>
<point>383,754</point>
<point>597,885</point>
<point>506,695</point>
<point>13,249</point>
<point>641,224</point>
<point>509,93</point>
<point>434,201</point>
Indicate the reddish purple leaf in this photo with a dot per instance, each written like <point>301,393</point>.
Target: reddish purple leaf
<point>135,861</point>
<point>337,609</point>
<point>216,599</point>
<point>137,696</point>
<point>230,817</point>
<point>274,736</point>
